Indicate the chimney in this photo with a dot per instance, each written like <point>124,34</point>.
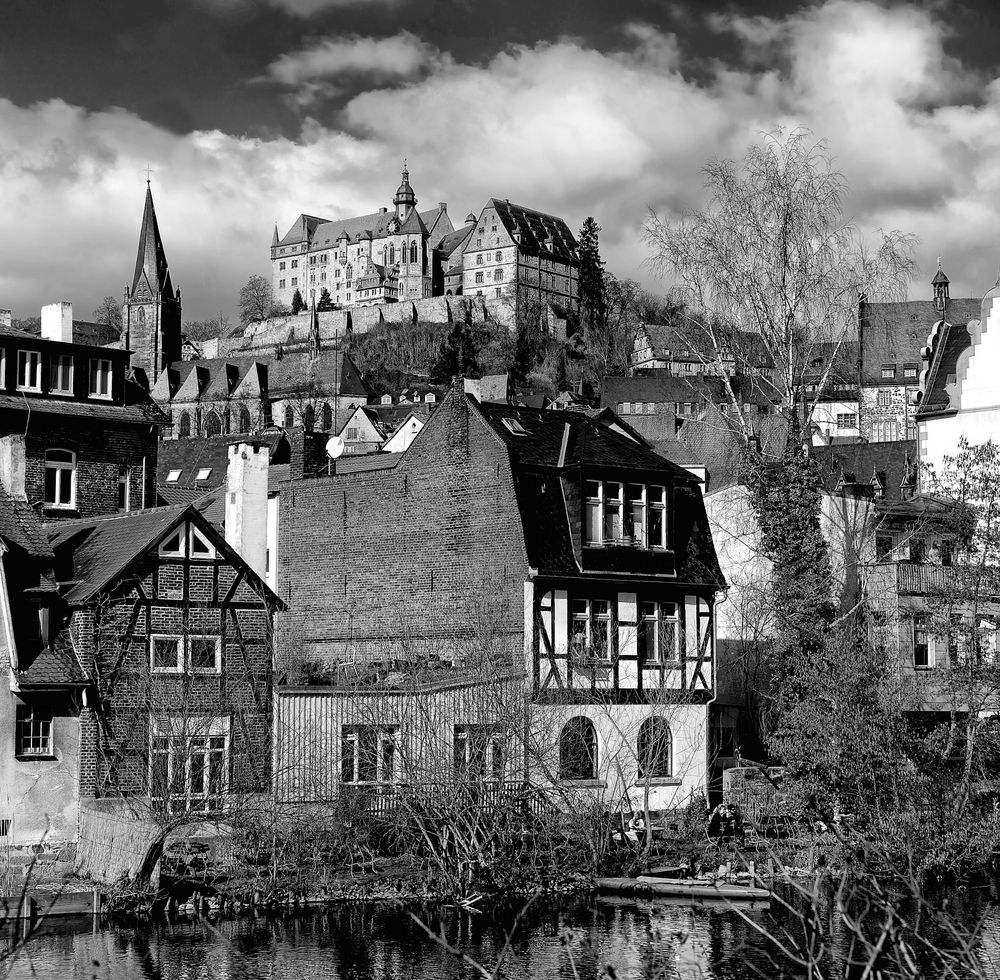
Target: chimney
<point>442,205</point>
<point>5,318</point>
<point>246,503</point>
<point>57,322</point>
<point>12,465</point>
<point>383,210</point>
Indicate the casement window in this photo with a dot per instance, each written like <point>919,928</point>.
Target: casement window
<point>281,284</point>
<point>100,377</point>
<point>61,375</point>
<point>590,631</point>
<point>578,750</point>
<point>295,265</point>
<point>166,654</point>
<point>498,275</point>
<point>499,257</point>
<point>480,753</point>
<point>33,732</point>
<point>655,749</point>
<point>986,640</point>
<point>29,370</point>
<point>958,639</point>
<point>479,259</point>
<point>883,547</point>
<point>847,420</point>
<point>124,488</point>
<point>884,397</point>
<point>618,513</point>
<point>884,430</point>
<point>204,473</point>
<point>352,434</point>
<point>658,633</point>
<point>205,654</point>
<point>295,280</point>
<point>189,763</point>
<point>479,278</point>
<point>888,371</point>
<point>60,478</point>
<point>921,647</point>
<point>369,754</point>
<point>909,373</point>
<point>281,266</point>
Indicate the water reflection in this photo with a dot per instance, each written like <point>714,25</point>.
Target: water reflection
<point>639,941</point>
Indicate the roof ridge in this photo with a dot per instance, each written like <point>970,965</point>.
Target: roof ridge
<point>83,522</point>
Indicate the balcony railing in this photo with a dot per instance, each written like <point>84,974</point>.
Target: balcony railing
<point>903,578</point>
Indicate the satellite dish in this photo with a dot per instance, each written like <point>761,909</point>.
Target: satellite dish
<point>335,447</point>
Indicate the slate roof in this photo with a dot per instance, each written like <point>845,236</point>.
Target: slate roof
<point>895,333</point>
<point>325,232</point>
<point>857,463</point>
<point>86,332</point>
<point>101,548</point>
<point>665,388</point>
<point>534,228</point>
<point>140,410</point>
<point>21,527</point>
<point>689,343</point>
<point>208,452</point>
<point>51,667</point>
<point>151,260</point>
<point>453,240</point>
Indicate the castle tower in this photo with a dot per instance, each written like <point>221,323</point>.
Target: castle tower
<point>151,311</point>
<point>940,284</point>
<point>405,200</point>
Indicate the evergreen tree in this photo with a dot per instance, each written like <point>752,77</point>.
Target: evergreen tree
<point>457,355</point>
<point>591,284</point>
<point>325,302</point>
<point>298,303</point>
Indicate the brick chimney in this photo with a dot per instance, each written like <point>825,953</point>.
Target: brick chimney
<point>246,503</point>
<point>57,322</point>
<point>12,465</point>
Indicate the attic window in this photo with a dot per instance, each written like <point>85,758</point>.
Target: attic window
<point>204,473</point>
<point>174,545</point>
<point>514,427</point>
<point>173,476</point>
<point>200,546</point>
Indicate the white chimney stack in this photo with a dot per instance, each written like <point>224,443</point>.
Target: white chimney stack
<point>57,322</point>
<point>12,465</point>
<point>6,320</point>
<point>246,504</point>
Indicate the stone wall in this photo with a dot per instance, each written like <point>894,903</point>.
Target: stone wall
<point>113,840</point>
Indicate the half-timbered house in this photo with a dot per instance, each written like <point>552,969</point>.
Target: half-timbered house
<point>554,543</point>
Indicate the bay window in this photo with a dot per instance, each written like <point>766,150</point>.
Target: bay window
<point>625,514</point>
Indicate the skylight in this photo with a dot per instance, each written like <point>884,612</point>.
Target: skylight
<point>173,476</point>
<point>515,427</point>
<point>204,474</point>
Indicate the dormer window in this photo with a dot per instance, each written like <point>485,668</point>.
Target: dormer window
<point>29,370</point>
<point>619,514</point>
<point>61,381</point>
<point>100,377</point>
<point>888,371</point>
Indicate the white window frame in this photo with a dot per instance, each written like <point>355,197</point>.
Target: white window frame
<point>190,730</point>
<point>204,473</point>
<point>596,510</point>
<point>597,623</point>
<point>61,374</point>
<point>100,370</point>
<point>195,535</point>
<point>178,667</point>
<point>216,641</point>
<point>29,370</point>
<point>173,476</point>
<point>39,741</point>
<point>60,466</point>
<point>125,487</point>
<point>847,420</point>
<point>660,620</point>
<point>495,757</point>
<point>385,734</point>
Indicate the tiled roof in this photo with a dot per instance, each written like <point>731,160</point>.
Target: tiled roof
<point>59,667</point>
<point>894,333</point>
<point>534,228</point>
<point>138,408</point>
<point>85,332</point>
<point>717,444</point>
<point>21,527</point>
<point>660,387</point>
<point>211,453</point>
<point>690,343</point>
<point>324,232</point>
<point>453,240</point>
<point>857,463</point>
<point>101,548</point>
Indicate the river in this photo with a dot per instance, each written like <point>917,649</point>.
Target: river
<point>578,941</point>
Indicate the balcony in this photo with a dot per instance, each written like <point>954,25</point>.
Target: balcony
<point>904,578</point>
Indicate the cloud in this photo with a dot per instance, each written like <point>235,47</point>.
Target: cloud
<point>303,9</point>
<point>380,59</point>
<point>559,127</point>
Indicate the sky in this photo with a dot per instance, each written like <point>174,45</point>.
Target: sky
<point>249,112</point>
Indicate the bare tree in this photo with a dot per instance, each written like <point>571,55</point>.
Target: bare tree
<point>109,312</point>
<point>256,300</point>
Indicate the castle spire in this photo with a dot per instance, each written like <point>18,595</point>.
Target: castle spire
<point>940,284</point>
<point>151,261</point>
<point>274,237</point>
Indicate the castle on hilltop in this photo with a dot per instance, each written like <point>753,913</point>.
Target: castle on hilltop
<point>507,252</point>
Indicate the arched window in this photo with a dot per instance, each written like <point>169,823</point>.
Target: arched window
<point>326,417</point>
<point>227,420</point>
<point>213,424</point>
<point>184,426</point>
<point>655,749</point>
<point>413,253</point>
<point>309,418</point>
<point>60,478</point>
<point>243,422</point>
<point>289,417</point>
<point>578,749</point>
<point>392,255</point>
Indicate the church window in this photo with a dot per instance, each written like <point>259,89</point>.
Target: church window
<point>309,418</point>
<point>184,425</point>
<point>29,370</point>
<point>413,252</point>
<point>479,259</point>
<point>213,424</point>
<point>326,417</point>
<point>243,419</point>
<point>100,377</point>
<point>289,417</point>
<point>479,278</point>
<point>60,478</point>
<point>392,255</point>
<point>61,381</point>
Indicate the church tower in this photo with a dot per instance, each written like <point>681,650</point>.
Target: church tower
<point>405,200</point>
<point>151,311</point>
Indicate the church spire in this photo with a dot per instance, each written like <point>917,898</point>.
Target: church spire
<point>151,261</point>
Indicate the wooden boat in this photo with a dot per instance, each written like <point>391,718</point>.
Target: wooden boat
<point>692,888</point>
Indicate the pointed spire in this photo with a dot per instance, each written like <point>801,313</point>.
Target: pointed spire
<point>151,261</point>
<point>940,284</point>
<point>274,238</point>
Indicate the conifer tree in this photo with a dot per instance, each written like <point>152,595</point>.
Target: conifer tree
<point>325,302</point>
<point>298,303</point>
<point>591,284</point>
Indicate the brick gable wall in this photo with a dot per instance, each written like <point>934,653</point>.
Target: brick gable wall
<point>374,564</point>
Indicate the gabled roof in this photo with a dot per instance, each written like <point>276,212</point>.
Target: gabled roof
<point>211,453</point>
<point>674,342</point>
<point>661,387</point>
<point>948,343</point>
<point>151,261</point>
<point>535,228</point>
<point>51,667</point>
<point>325,232</point>
<point>453,241</point>
<point>887,462</point>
